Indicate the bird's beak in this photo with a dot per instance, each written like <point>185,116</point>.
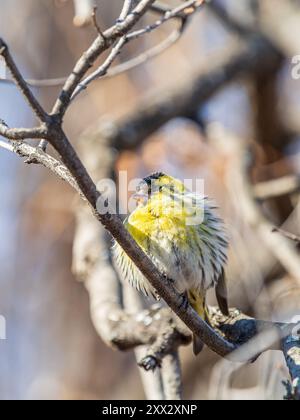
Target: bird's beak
<point>140,198</point>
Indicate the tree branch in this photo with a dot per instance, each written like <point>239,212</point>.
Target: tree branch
<point>183,100</point>
<point>128,65</point>
<point>288,235</point>
<point>171,373</point>
<point>18,134</point>
<point>246,332</point>
<point>286,185</point>
<point>28,95</point>
<point>159,328</point>
<point>89,57</point>
<point>102,70</point>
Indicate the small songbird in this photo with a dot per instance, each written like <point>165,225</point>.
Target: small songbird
<point>185,239</point>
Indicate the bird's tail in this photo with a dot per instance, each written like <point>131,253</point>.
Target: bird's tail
<point>198,303</point>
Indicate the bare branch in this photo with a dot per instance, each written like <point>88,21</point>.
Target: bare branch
<point>102,70</point>
<point>171,373</point>
<point>127,6</point>
<point>112,223</point>
<point>162,8</point>
<point>158,328</point>
<point>37,156</point>
<point>152,381</point>
<point>288,235</point>
<point>241,189</point>
<point>30,98</point>
<point>39,83</point>
<point>169,338</point>
<point>118,69</point>
<point>115,226</point>
<point>185,99</point>
<point>171,14</point>
<point>134,304</point>
<point>255,337</point>
<point>149,54</point>
<point>22,133</point>
<point>286,185</point>
<point>89,57</point>
<point>6,146</point>
<point>136,61</point>
<point>95,22</point>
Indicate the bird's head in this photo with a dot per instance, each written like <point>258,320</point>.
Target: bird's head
<point>157,183</point>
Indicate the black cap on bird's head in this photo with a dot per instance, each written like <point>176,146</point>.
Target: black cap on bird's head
<point>158,182</point>
<point>150,185</point>
<point>154,177</point>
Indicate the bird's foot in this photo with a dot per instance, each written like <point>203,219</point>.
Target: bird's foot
<point>168,279</point>
<point>184,301</point>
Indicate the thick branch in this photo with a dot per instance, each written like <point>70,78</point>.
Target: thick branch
<point>245,333</point>
<point>240,186</point>
<point>171,373</point>
<point>170,336</point>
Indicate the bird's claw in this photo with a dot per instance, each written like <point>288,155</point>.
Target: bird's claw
<point>184,301</point>
<point>168,278</point>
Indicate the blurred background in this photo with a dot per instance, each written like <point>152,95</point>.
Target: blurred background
<point>243,136</point>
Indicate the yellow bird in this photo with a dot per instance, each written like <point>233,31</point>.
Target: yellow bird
<point>185,239</point>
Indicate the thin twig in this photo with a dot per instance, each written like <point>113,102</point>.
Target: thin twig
<point>162,8</point>
<point>136,61</point>
<point>115,71</point>
<point>288,235</point>
<point>102,70</point>
<point>38,156</point>
<point>22,133</point>
<point>21,83</point>
<point>125,10</point>
<point>95,22</point>
<point>147,55</point>
<point>170,14</point>
<point>89,57</point>
<point>6,146</point>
